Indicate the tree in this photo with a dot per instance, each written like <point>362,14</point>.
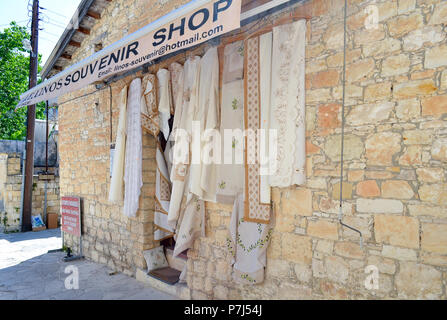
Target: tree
<point>14,72</point>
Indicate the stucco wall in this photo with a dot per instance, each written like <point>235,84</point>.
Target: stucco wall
<point>395,162</point>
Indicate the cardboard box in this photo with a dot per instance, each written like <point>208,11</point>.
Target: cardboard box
<point>39,229</point>
<point>52,220</point>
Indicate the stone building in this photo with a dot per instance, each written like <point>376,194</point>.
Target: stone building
<point>395,156</point>
<point>45,187</point>
<point>45,192</point>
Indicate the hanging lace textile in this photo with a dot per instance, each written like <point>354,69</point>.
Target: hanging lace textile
<point>288,103</point>
<point>149,109</point>
<point>192,224</point>
<point>160,106</point>
<point>176,71</point>
<point>133,180</point>
<point>190,215</point>
<point>182,134</point>
<point>265,79</point>
<point>203,167</point>
<point>230,173</point>
<point>247,244</point>
<point>117,181</point>
<point>162,230</point>
<point>201,179</point>
<point>164,101</point>
<point>255,210</point>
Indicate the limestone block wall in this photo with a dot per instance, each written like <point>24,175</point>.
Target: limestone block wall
<point>11,193</point>
<point>109,237</point>
<point>395,155</point>
<point>395,188</point>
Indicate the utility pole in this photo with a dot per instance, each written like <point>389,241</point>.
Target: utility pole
<point>30,124</point>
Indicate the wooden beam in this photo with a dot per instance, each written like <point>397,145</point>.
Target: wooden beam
<point>66,56</point>
<point>94,15</point>
<point>58,68</point>
<point>84,30</point>
<point>74,44</point>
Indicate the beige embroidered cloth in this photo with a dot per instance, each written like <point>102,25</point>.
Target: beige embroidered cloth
<point>177,78</point>
<point>255,210</point>
<point>181,152</point>
<point>149,109</point>
<point>186,211</point>
<point>204,152</point>
<point>265,81</point>
<point>288,103</point>
<point>133,180</point>
<point>230,173</point>
<point>162,183</point>
<point>247,244</point>
<point>162,230</point>
<point>117,181</point>
<point>164,100</point>
<point>192,225</point>
<point>176,72</point>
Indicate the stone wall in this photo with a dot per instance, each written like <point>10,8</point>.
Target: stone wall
<point>109,237</point>
<point>395,188</point>
<point>11,193</point>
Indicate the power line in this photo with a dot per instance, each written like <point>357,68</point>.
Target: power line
<point>17,22</point>
<point>56,25</point>
<point>43,38</point>
<point>49,33</point>
<point>54,12</point>
<point>46,19</point>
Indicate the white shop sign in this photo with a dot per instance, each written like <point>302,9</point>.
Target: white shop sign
<point>187,26</point>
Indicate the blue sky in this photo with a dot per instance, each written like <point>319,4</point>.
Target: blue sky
<point>55,19</point>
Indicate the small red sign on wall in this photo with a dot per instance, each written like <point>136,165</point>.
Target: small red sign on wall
<point>71,215</point>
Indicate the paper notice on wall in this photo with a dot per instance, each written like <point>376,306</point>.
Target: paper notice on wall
<point>178,30</point>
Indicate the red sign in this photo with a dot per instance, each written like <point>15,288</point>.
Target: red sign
<point>71,215</point>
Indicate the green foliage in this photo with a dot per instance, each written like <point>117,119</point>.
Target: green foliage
<point>5,220</point>
<point>14,71</point>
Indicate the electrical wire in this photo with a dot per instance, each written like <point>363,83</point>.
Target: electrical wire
<point>47,20</point>
<point>53,12</point>
<point>340,214</point>
<point>57,26</point>
<point>17,22</point>
<point>46,39</point>
<point>30,14</point>
<point>83,96</point>
<point>50,34</point>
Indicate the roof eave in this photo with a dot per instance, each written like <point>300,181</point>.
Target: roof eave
<point>67,35</point>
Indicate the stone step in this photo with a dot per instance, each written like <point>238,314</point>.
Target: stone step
<point>177,263</point>
<point>178,290</point>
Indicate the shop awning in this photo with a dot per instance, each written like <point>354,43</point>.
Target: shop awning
<point>194,23</point>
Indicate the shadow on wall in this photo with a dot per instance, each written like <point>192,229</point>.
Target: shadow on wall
<point>18,147</point>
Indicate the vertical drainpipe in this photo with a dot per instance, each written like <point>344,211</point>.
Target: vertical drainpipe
<point>22,188</point>
<point>46,166</point>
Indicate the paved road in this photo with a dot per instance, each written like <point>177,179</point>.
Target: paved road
<point>27,271</point>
